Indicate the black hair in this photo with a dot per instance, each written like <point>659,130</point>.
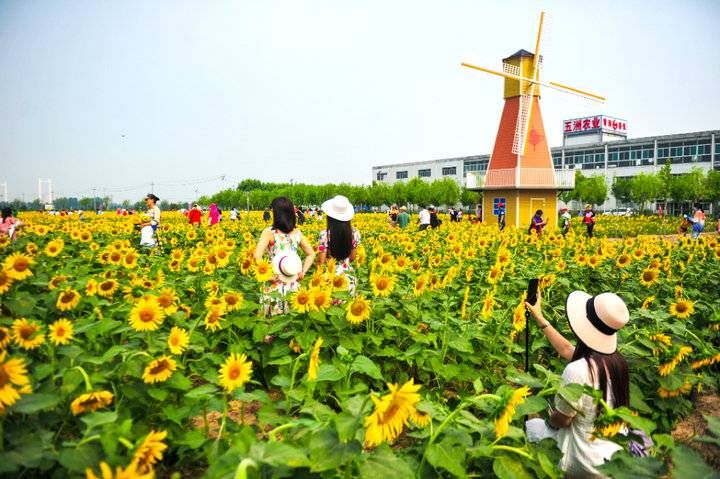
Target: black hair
<point>538,212</point>
<point>697,206</point>
<point>6,212</point>
<point>340,238</point>
<point>283,214</point>
<point>609,366</point>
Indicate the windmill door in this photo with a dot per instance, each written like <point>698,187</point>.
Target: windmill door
<point>537,204</point>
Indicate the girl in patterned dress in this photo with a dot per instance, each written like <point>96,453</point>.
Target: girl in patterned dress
<point>339,240</point>
<point>282,238</point>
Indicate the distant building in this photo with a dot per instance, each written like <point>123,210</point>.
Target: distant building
<point>593,149</point>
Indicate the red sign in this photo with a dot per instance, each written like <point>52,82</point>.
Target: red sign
<point>596,123</point>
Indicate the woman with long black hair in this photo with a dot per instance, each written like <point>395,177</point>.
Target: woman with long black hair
<point>339,240</point>
<point>594,362</point>
<point>281,242</point>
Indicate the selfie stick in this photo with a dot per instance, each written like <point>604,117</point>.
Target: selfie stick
<point>531,297</point>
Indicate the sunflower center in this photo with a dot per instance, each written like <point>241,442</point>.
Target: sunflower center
<point>59,332</point>
<point>26,332</point>
<point>648,276</point>
<point>67,297</point>
<point>161,366</point>
<point>357,309</point>
<point>382,283</point>
<point>231,300</point>
<point>147,315</point>
<point>320,299</point>
<point>681,307</point>
<point>234,372</point>
<point>303,299</point>
<point>164,301</point>
<point>20,264</point>
<point>4,377</point>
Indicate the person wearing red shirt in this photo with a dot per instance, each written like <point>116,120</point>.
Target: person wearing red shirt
<point>195,215</point>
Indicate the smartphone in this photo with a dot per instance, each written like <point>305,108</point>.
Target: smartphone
<point>532,291</point>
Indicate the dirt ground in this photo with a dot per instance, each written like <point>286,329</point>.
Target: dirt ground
<point>695,425</point>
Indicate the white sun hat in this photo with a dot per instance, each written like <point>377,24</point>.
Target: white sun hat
<point>287,266</point>
<point>339,208</point>
<point>595,320</point>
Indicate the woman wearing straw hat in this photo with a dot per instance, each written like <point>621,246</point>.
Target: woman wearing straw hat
<point>589,219</point>
<point>595,362</point>
<point>281,242</point>
<point>339,239</point>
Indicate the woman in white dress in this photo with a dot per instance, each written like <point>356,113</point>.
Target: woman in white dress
<point>595,362</point>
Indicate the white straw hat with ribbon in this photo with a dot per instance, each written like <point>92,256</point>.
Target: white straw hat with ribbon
<point>339,208</point>
<point>595,320</point>
<point>287,266</point>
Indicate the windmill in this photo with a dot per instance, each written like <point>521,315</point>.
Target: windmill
<point>520,180</point>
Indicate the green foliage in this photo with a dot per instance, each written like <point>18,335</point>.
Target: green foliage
<point>588,189</point>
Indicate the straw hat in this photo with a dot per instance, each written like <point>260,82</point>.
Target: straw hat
<point>339,208</point>
<point>595,320</point>
<point>287,266</point>
<point>403,208</point>
<point>564,208</point>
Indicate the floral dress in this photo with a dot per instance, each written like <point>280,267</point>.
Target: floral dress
<point>344,266</point>
<point>275,291</point>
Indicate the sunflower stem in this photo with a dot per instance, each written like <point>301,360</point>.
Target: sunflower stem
<point>273,433</point>
<point>515,450</point>
<point>241,471</point>
<point>88,384</point>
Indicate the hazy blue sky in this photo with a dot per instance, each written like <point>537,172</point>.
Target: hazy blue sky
<point>116,94</point>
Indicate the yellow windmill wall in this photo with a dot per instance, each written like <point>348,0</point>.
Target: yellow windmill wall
<point>520,206</point>
<point>512,87</point>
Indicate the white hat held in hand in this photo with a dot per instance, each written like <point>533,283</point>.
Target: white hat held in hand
<point>595,320</point>
<point>339,208</point>
<point>287,266</point>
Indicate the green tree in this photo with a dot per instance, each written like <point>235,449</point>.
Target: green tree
<point>666,182</point>
<point>592,189</point>
<point>469,197</point>
<point>621,189</point>
<point>645,187</point>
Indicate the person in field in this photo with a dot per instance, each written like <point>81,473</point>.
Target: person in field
<point>10,224</point>
<point>537,223</point>
<point>589,219</point>
<point>266,215</point>
<point>403,218</point>
<point>213,214</point>
<point>393,215</point>
<point>434,220</point>
<point>594,361</point>
<point>564,220</point>
<point>339,240</point>
<point>424,218</point>
<point>281,242</point>
<point>148,228</point>
<point>697,220</point>
<point>195,215</point>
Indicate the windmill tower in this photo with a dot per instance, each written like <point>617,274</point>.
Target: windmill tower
<point>520,178</point>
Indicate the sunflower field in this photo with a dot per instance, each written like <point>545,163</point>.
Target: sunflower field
<point>117,362</point>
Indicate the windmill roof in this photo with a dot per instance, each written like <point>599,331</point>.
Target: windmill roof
<point>520,53</point>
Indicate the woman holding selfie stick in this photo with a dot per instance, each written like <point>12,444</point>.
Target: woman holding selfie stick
<point>595,362</point>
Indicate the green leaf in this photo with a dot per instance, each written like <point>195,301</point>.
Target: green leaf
<point>21,304</point>
<point>77,459</point>
<point>365,365</point>
<point>99,418</point>
<point>36,402</point>
<point>507,468</point>
<point>204,391</point>
<point>689,463</point>
<point>328,453</point>
<point>713,424</point>
<point>624,466</point>
<point>447,455</point>
<point>525,379</point>
<point>478,386</point>
<point>279,454</point>
<point>328,372</point>
<point>383,463</point>
<point>157,393</point>
<point>193,439</point>
<point>546,465</point>
<point>346,426</point>
<point>179,381</point>
<point>531,405</point>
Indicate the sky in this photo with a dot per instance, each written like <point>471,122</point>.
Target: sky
<point>188,97</point>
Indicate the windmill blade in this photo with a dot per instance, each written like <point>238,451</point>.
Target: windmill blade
<point>521,125</point>
<point>553,85</point>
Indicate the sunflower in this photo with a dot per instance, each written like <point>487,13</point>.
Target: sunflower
<point>502,423</point>
<point>178,340</point>
<point>623,261</point>
<point>233,301</point>
<point>235,372</point>
<point>27,334</point>
<point>420,285</point>
<point>340,283</point>
<point>647,302</point>
<point>245,263</point>
<point>5,337</point>
<point>5,282</point>
<point>495,274</point>
<point>503,257</point>
<point>358,310</point>
<point>17,266</point>
<point>67,300</point>
<point>581,259</point>
<point>54,247</point>
<point>301,301</point>
<point>129,261</point>
<point>56,281</point>
<point>682,308</point>
<point>159,370</point>
<point>149,451</point>
<point>89,402</point>
<point>91,287</point>
<point>560,265</point>
<point>167,300</point>
<point>107,288</point>
<point>314,360</point>
<point>594,261</point>
<point>319,299</point>
<point>391,413</point>
<point>129,472</point>
<point>648,277</point>
<point>213,317</point>
<point>382,285</point>
<point>61,332</point>
<point>263,271</point>
<point>215,302</point>
<point>12,373</point>
<point>146,314</point>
